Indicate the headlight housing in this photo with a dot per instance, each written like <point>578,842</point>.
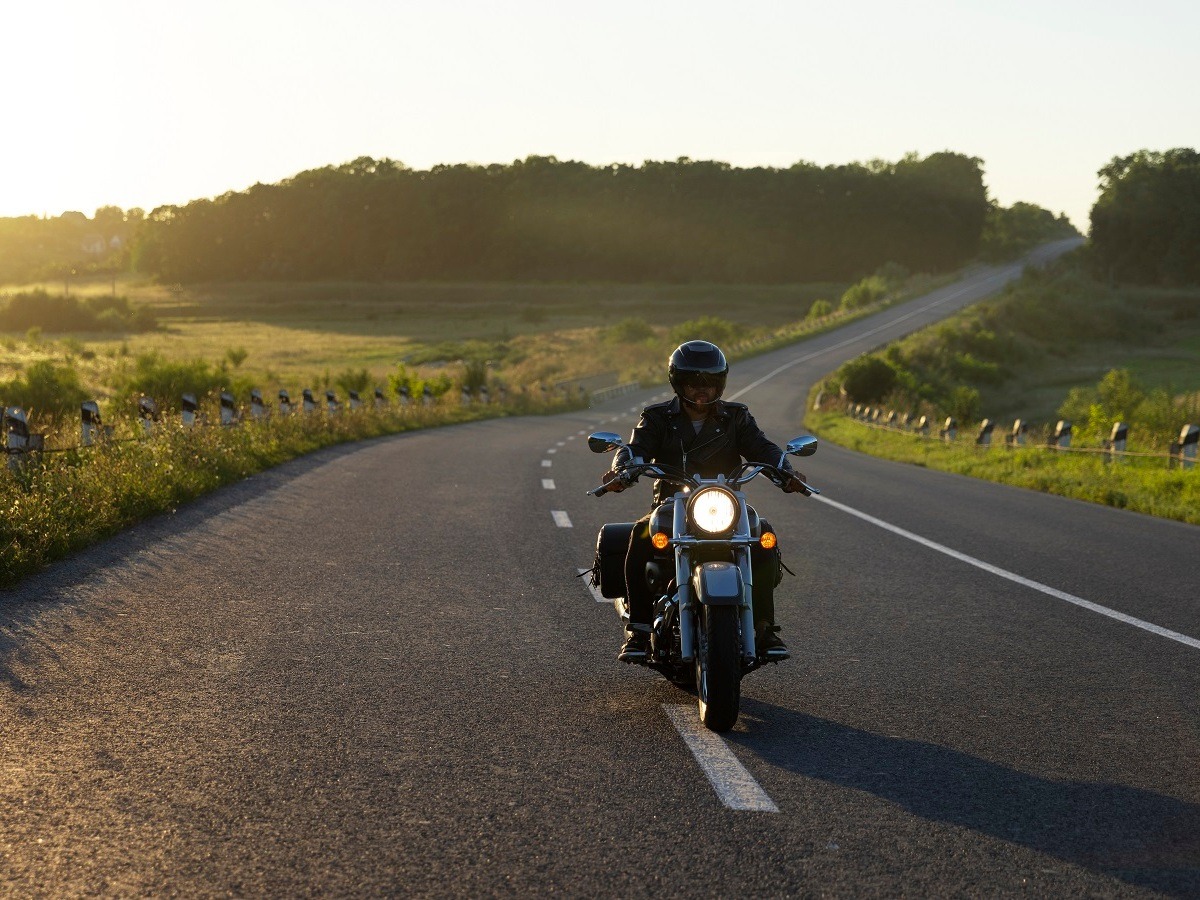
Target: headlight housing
<point>713,511</point>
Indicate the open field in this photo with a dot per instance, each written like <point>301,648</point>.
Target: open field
<point>304,332</point>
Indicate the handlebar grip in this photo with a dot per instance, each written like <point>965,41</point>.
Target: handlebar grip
<point>599,492</point>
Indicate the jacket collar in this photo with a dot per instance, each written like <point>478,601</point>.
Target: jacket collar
<point>676,409</point>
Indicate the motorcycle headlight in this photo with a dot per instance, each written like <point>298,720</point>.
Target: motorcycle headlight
<point>713,510</point>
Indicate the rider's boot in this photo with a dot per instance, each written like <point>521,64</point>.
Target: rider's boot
<point>636,646</point>
<point>769,644</point>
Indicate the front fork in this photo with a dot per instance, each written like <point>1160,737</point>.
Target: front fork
<point>687,607</point>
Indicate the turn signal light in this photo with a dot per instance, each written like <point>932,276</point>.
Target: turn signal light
<point>768,540</point>
<point>660,540</point>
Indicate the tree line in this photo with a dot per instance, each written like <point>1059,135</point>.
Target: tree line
<point>541,219</point>
<point>545,219</point>
<point>535,219</point>
<point>1146,223</point>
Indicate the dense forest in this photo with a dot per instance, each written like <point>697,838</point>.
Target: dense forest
<point>545,219</point>
<point>1146,224</point>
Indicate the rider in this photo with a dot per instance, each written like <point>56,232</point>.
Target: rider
<point>701,434</point>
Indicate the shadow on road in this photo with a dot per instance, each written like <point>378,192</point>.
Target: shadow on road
<point>1133,835</point>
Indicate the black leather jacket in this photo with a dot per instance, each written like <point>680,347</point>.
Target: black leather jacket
<point>665,434</point>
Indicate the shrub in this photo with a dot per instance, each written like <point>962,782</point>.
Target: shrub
<point>46,389</point>
<point>819,310</point>
<point>166,381</point>
<point>707,328</point>
<point>867,379</point>
<point>37,309</point>
<point>629,331</point>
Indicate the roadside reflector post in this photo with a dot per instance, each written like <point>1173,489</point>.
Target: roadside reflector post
<point>922,426</point>
<point>228,408</point>
<point>148,413</point>
<point>190,409</point>
<point>285,403</point>
<point>1062,434</point>
<point>380,400</point>
<point>258,409</point>
<point>16,436</point>
<point>355,403</point>
<point>949,431</point>
<point>817,400</point>
<point>310,405</point>
<point>405,399</point>
<point>331,402</point>
<point>90,424</point>
<point>1016,437</point>
<point>1117,440</point>
<point>984,438</point>
<point>1189,437</point>
<point>426,396</point>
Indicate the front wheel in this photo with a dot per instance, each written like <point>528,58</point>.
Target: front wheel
<point>718,666</point>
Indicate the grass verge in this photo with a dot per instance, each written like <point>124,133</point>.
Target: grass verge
<point>1145,486</point>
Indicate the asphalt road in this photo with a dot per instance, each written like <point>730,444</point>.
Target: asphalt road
<point>372,672</point>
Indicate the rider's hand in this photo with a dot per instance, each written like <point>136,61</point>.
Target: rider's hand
<point>795,484</point>
<point>612,481</point>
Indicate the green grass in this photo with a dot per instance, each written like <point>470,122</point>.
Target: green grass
<point>1141,485</point>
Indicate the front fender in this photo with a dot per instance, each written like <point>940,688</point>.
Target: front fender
<point>718,584</point>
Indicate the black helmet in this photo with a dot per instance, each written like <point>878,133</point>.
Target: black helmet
<point>698,363</point>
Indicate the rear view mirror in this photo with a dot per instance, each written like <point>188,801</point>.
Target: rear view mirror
<point>603,441</point>
<point>805,445</point>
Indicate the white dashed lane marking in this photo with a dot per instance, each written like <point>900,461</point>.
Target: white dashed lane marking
<point>548,483</point>
<point>593,589</point>
<point>733,783</point>
<point>561,519</point>
<point>547,463</point>
<point>552,450</point>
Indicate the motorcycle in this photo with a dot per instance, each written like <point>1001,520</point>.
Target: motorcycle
<point>702,632</point>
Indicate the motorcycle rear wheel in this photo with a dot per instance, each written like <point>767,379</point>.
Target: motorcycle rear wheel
<point>718,667</point>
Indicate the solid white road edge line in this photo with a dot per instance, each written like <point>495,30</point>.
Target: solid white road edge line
<point>1012,576</point>
<point>808,356</point>
<point>733,783</point>
<point>561,519</point>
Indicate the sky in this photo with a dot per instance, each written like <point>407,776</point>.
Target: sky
<point>130,103</point>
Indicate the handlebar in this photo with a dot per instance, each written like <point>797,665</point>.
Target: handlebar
<point>743,475</point>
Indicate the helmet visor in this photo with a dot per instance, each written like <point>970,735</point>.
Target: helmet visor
<point>701,380</point>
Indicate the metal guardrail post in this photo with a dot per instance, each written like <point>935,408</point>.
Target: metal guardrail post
<point>190,410</point>
<point>90,424</point>
<point>310,404</point>
<point>228,408</point>
<point>1189,438</point>
<point>148,412</point>
<point>258,409</point>
<point>984,437</point>
<point>1117,440</point>
<point>1062,434</point>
